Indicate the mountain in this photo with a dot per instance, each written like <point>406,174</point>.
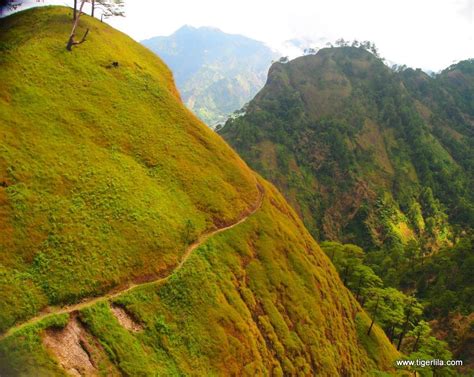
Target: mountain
<point>216,73</point>
<point>134,241</point>
<point>365,154</point>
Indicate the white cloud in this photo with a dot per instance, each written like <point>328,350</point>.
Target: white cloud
<point>430,34</point>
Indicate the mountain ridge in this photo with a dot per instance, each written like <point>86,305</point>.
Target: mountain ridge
<point>332,93</point>
<point>381,160</point>
<point>216,72</point>
<point>108,177</point>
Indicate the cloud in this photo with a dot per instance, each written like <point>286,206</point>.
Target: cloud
<point>429,34</point>
<point>465,9</point>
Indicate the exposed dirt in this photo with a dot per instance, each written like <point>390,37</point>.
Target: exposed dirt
<point>71,348</point>
<point>125,319</point>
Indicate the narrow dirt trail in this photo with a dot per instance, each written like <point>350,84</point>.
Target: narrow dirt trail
<point>89,302</point>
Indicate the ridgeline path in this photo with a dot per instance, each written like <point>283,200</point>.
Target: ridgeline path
<point>48,311</point>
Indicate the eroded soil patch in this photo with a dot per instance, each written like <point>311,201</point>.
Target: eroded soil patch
<point>71,348</point>
<point>125,319</point>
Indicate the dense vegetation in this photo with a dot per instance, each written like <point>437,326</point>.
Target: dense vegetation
<point>216,73</point>
<point>377,157</point>
<point>356,151</point>
<point>106,178</point>
<point>409,321</point>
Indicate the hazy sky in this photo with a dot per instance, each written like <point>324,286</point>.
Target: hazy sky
<point>429,34</point>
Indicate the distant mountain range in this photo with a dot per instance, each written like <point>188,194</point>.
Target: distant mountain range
<point>216,73</point>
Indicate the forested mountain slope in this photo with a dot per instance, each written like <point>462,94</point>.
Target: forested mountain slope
<point>365,154</point>
<point>107,180</point>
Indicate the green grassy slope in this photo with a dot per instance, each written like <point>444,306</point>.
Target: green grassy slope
<point>106,178</point>
<point>259,299</point>
<point>100,167</point>
<point>364,153</point>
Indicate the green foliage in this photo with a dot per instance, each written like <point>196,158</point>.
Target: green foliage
<point>451,283</point>
<point>428,348</point>
<point>399,315</point>
<point>349,262</point>
<point>122,348</point>
<point>394,311</point>
<point>363,139</point>
<point>254,300</point>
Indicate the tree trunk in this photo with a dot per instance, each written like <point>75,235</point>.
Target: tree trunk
<point>375,314</point>
<point>405,328</point>
<point>358,287</point>
<point>415,346</point>
<point>74,15</point>
<point>71,41</point>
<point>346,273</point>
<point>371,325</point>
<point>93,8</point>
<point>391,333</point>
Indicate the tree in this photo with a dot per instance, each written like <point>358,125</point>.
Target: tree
<point>310,51</point>
<point>349,262</point>
<point>109,8</point>
<point>72,42</point>
<point>417,334</point>
<point>412,252</point>
<point>389,311</point>
<point>355,43</point>
<point>394,311</point>
<point>413,311</point>
<point>365,279</point>
<point>341,42</point>
<point>373,308</point>
<point>431,348</point>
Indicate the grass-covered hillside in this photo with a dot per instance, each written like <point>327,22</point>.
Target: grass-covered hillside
<point>106,180</point>
<point>364,153</point>
<point>105,176</point>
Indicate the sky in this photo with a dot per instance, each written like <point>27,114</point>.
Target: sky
<point>427,34</point>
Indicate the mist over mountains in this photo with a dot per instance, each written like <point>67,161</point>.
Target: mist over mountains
<point>216,73</point>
